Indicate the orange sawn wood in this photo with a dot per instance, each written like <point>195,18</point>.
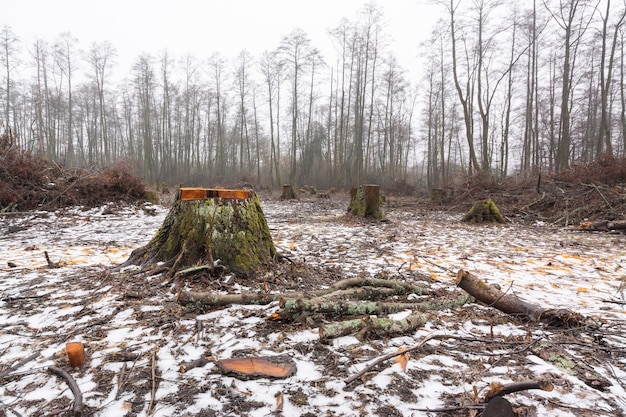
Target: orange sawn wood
<point>203,193</point>
<point>259,366</point>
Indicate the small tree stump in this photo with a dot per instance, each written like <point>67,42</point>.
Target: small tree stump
<point>205,225</point>
<point>484,211</point>
<point>289,193</point>
<point>366,201</point>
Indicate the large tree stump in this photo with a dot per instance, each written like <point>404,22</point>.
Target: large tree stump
<point>484,211</point>
<point>289,192</point>
<point>366,201</point>
<point>205,225</point>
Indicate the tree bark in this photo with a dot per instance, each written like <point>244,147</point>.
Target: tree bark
<point>381,326</point>
<point>360,288</point>
<point>365,201</point>
<point>206,225</point>
<point>288,192</point>
<point>512,305</point>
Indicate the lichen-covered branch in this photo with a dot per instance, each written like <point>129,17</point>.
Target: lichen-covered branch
<point>293,308</point>
<point>381,326</point>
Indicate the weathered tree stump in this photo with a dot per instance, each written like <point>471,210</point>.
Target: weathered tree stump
<point>484,211</point>
<point>205,225</point>
<point>289,193</point>
<point>366,201</point>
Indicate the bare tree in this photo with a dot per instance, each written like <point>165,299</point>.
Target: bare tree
<point>271,68</point>
<point>101,57</point>
<point>465,93</point>
<point>10,47</point>
<point>571,18</point>
<point>296,52</point>
<point>65,53</point>
<point>606,76</point>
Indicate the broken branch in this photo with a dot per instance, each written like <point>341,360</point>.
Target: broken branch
<point>383,358</point>
<point>378,325</point>
<point>18,364</point>
<point>497,389</point>
<point>512,305</point>
<point>77,409</point>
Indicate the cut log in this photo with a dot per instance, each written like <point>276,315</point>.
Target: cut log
<point>289,192</point>
<point>210,300</point>
<point>295,308</point>
<point>205,225</point>
<point>512,305</point>
<point>484,211</point>
<point>350,287</point>
<point>366,201</point>
<point>602,226</point>
<point>276,367</point>
<point>382,327</point>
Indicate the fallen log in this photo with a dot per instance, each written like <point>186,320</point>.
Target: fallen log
<point>77,409</point>
<point>382,327</point>
<point>602,226</point>
<point>293,308</point>
<point>512,305</point>
<point>210,300</point>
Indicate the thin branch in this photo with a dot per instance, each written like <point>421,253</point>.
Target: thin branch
<point>391,355</point>
<point>78,396</point>
<point>154,379</point>
<point>18,364</point>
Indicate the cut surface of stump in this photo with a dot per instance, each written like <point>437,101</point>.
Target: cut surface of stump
<point>366,201</point>
<point>206,225</point>
<point>484,211</point>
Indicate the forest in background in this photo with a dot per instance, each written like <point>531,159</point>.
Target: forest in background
<point>508,89</point>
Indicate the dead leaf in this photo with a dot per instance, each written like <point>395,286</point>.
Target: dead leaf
<point>403,359</point>
<point>279,401</point>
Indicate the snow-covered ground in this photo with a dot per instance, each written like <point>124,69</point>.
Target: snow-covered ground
<point>42,308</point>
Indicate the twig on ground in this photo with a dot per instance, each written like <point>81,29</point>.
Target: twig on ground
<point>399,352</point>
<point>153,390</point>
<point>77,409</point>
<point>18,364</point>
<point>50,263</point>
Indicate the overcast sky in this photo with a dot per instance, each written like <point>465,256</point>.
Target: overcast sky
<point>203,27</point>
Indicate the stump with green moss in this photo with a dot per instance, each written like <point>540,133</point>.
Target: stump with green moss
<point>289,192</point>
<point>366,201</point>
<point>484,211</point>
<point>205,225</point>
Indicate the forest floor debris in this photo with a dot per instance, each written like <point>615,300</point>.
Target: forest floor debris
<point>137,337</point>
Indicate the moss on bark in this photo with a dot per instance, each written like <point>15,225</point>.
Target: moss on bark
<point>366,201</point>
<point>203,231</point>
<point>484,211</point>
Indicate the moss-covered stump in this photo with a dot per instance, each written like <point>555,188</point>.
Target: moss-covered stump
<point>484,211</point>
<point>366,201</point>
<point>205,225</point>
<point>289,192</point>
